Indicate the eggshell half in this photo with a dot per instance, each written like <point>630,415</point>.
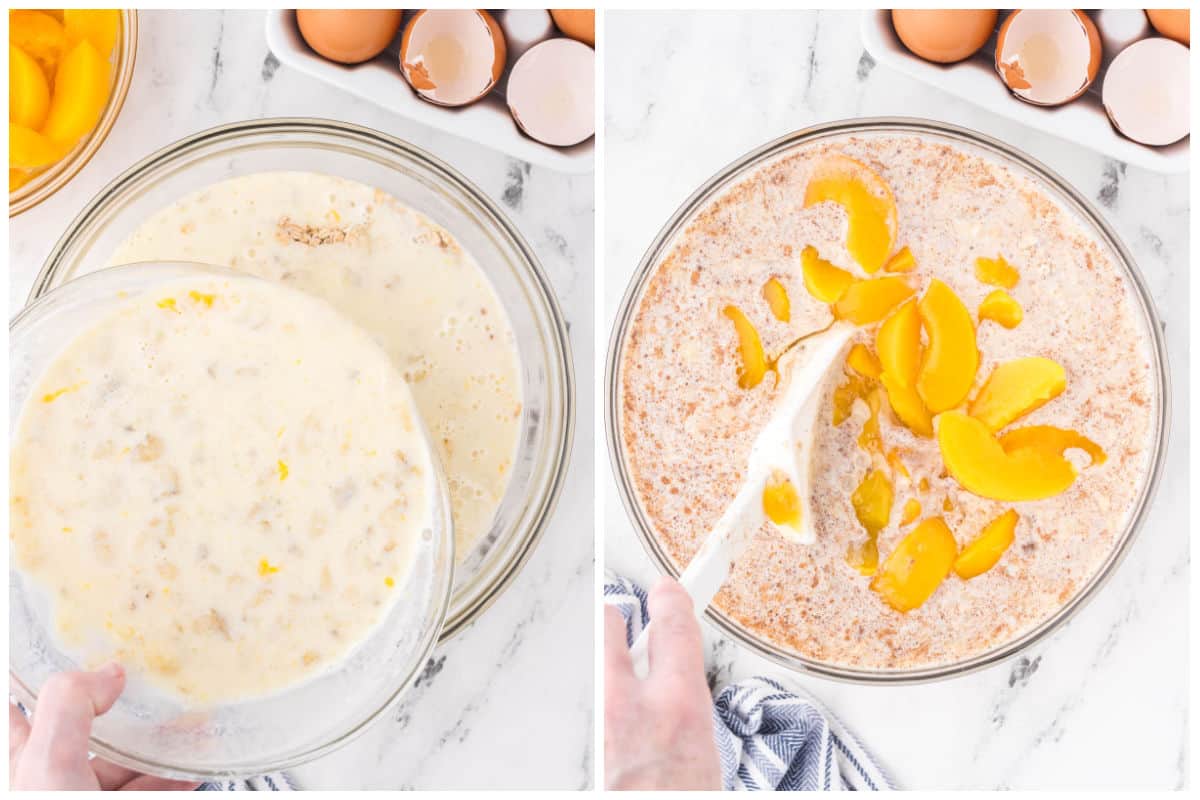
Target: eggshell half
<point>1146,91</point>
<point>1048,56</point>
<point>552,92</point>
<point>452,57</point>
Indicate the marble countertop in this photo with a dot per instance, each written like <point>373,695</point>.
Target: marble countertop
<point>524,670</point>
<point>1103,702</point>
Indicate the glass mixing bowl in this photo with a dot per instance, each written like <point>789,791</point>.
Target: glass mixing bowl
<point>1056,188</point>
<point>150,730</point>
<point>54,177</point>
<point>424,183</point>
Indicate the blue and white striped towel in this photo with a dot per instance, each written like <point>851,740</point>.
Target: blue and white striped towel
<point>271,782</point>
<point>769,737</point>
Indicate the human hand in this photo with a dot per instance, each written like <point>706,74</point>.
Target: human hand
<point>53,754</point>
<point>658,732</point>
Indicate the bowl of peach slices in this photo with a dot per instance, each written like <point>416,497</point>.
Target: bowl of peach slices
<point>69,72</point>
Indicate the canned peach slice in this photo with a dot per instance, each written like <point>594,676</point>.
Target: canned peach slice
<point>981,465</point>
<point>754,364</point>
<point>866,302</point>
<point>868,202</point>
<point>776,296</point>
<point>823,280</point>
<point>996,272</point>
<point>951,358</point>
<point>1016,388</point>
<point>1051,441</point>
<point>1000,308</point>
<point>872,502</point>
<point>898,343</point>
<point>916,568</point>
<point>863,361</point>
<point>986,549</point>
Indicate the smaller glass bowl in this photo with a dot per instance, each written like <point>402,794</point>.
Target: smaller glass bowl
<point>150,731</point>
<point>54,177</point>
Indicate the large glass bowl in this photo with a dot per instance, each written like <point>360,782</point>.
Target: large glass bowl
<point>150,730</point>
<point>429,186</point>
<point>1055,187</point>
<point>56,176</point>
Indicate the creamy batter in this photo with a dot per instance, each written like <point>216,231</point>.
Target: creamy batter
<point>398,275</point>
<point>688,427</point>
<point>220,485</point>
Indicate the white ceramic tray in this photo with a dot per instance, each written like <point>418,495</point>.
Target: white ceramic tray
<point>975,80</point>
<point>379,80</point>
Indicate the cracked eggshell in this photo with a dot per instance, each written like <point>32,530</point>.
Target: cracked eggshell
<point>348,36</point>
<point>552,90</point>
<point>452,57</point>
<point>1146,92</point>
<point>1048,56</point>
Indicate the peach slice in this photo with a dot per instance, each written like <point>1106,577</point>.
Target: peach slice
<point>17,178</point>
<point>40,35</point>
<point>912,510</point>
<point>996,272</point>
<point>870,440</point>
<point>999,307</point>
<point>1051,441</point>
<point>868,202</point>
<point>872,502</point>
<point>100,26</point>
<point>28,92</point>
<point>1016,388</point>
<point>777,298</point>
<point>28,149</point>
<point>863,361</point>
<point>781,502</point>
<point>982,466</point>
<point>754,364</point>
<point>986,549</point>
<point>952,358</point>
<point>855,388</point>
<point>80,94</point>
<point>917,567</point>
<point>867,302</point>
<point>908,406</point>
<point>898,343</point>
<point>823,280</point>
<point>901,261</point>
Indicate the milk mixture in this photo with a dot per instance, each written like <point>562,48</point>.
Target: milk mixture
<point>688,425</point>
<point>399,276</point>
<point>220,485</point>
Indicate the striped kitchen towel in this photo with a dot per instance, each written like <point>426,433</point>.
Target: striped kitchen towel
<point>769,737</point>
<point>271,782</point>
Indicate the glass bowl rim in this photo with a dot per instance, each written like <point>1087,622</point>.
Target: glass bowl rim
<point>425,645</point>
<point>560,362</point>
<point>738,168</point>
<point>47,183</point>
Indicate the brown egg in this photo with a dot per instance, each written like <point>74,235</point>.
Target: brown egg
<point>452,57</point>
<point>1173,23</point>
<point>348,36</point>
<point>1048,56</point>
<point>578,23</point>
<point>944,36</point>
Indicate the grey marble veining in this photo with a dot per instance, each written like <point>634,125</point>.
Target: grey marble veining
<point>523,672</point>
<point>1103,702</point>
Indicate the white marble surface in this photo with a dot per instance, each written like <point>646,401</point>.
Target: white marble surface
<point>507,703</point>
<point>1103,703</point>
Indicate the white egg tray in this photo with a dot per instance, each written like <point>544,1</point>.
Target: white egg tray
<point>380,81</point>
<point>1083,121</point>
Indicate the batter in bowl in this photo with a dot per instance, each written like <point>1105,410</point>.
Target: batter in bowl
<point>220,485</point>
<point>398,275</point>
<point>692,401</point>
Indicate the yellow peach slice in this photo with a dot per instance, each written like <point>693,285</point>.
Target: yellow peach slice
<point>999,307</point>
<point>28,92</point>
<point>28,149</point>
<point>863,361</point>
<point>99,26</point>
<point>754,364</point>
<point>908,406</point>
<point>777,298</point>
<point>986,549</point>
<point>872,502</point>
<point>917,567</point>
<point>870,440</point>
<point>1051,441</point>
<point>996,272</point>
<point>898,343</point>
<point>1016,388</point>
<point>40,35</point>
<point>855,388</point>
<point>823,280</point>
<point>902,261</point>
<point>80,94</point>
<point>781,502</point>
<point>981,465</point>
<point>868,202</point>
<point>17,178</point>
<point>867,302</point>
<point>952,358</point>
<point>912,510</point>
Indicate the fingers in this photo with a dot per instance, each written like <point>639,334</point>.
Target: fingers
<point>62,721</point>
<point>153,783</point>
<point>618,667</point>
<point>676,646</point>
<point>112,776</point>
<point>18,734</point>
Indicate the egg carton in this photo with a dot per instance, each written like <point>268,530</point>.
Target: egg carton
<point>380,81</point>
<point>1082,121</point>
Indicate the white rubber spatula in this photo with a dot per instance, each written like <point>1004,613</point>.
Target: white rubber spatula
<point>783,446</point>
